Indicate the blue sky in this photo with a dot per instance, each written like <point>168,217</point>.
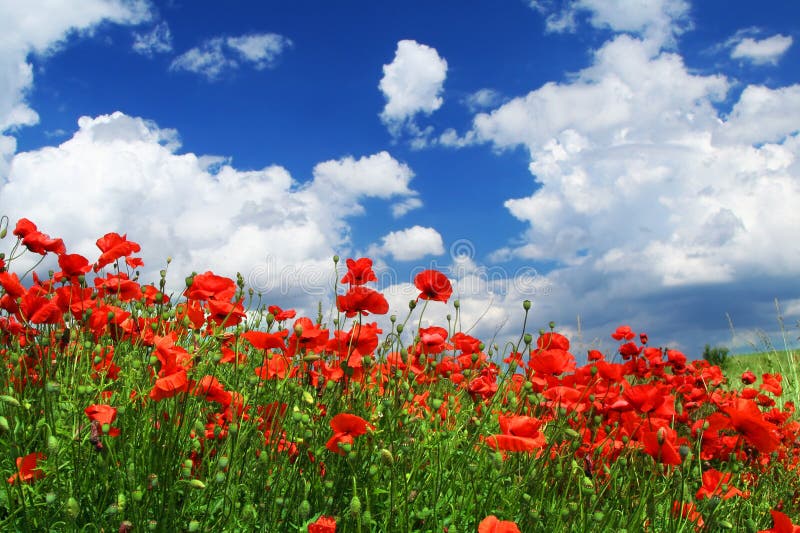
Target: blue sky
<point>618,161</point>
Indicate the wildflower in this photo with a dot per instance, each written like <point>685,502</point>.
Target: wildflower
<point>266,341</point>
<point>36,241</point>
<point>359,272</point>
<point>73,265</point>
<point>281,315</point>
<point>209,286</point>
<point>623,332</point>
<point>346,426</point>
<point>433,285</point>
<point>492,524</point>
<point>362,300</point>
<point>323,524</point>
<point>714,482</point>
<point>104,415</point>
<point>432,340</point>
<point>27,470</point>
<point>169,386</point>
<point>781,524</point>
<point>114,246</point>
<point>748,378</point>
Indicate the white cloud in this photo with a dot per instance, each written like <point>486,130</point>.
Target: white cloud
<point>412,243</point>
<point>401,208</point>
<point>219,54</point>
<point>412,83</point>
<point>761,52</point>
<point>125,174</point>
<point>642,187</point>
<point>260,49</point>
<point>157,41</point>
<point>657,21</point>
<point>482,99</point>
<point>41,27</point>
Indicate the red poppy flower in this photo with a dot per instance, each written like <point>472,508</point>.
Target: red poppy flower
<point>433,285</point>
<point>114,246</point>
<point>134,262</point>
<point>662,445</point>
<point>281,315</point>
<point>552,341</point>
<point>748,378</point>
<point>39,310</point>
<point>323,524</point>
<point>103,414</point>
<point>747,419</point>
<point>262,340</point>
<point>35,240</point>
<point>432,340</point>
<point>466,343</point>
<point>24,227</point>
<point>73,265</point>
<point>345,427</point>
<point>772,383</point>
<point>209,286</point>
<point>689,511</point>
<point>492,524</point>
<point>360,299</point>
<point>119,286</point>
<point>11,284</point>
<point>27,470</point>
<point>359,271</point>
<point>623,332</point>
<point>781,524</point>
<point>551,362</point>
<point>212,390</point>
<point>713,482</point>
<point>169,386</point>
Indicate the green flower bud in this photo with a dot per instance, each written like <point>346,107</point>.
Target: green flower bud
<point>72,508</point>
<point>197,484</point>
<point>355,507</point>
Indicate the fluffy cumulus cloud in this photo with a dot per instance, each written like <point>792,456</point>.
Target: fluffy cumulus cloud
<point>658,21</point>
<point>412,83</point>
<point>645,190</point>
<point>25,34</point>
<point>125,174</point>
<point>761,52</point>
<point>411,244</point>
<point>215,56</point>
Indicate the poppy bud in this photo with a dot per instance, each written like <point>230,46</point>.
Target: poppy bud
<point>197,484</point>
<point>387,457</point>
<point>399,328</point>
<point>355,507</point>
<point>552,325</point>
<point>412,304</point>
<point>456,303</point>
<point>526,305</point>
<point>684,451</point>
<point>73,509</point>
<point>335,259</point>
<point>528,338</point>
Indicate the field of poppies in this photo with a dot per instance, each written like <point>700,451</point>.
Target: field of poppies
<point>123,408</point>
